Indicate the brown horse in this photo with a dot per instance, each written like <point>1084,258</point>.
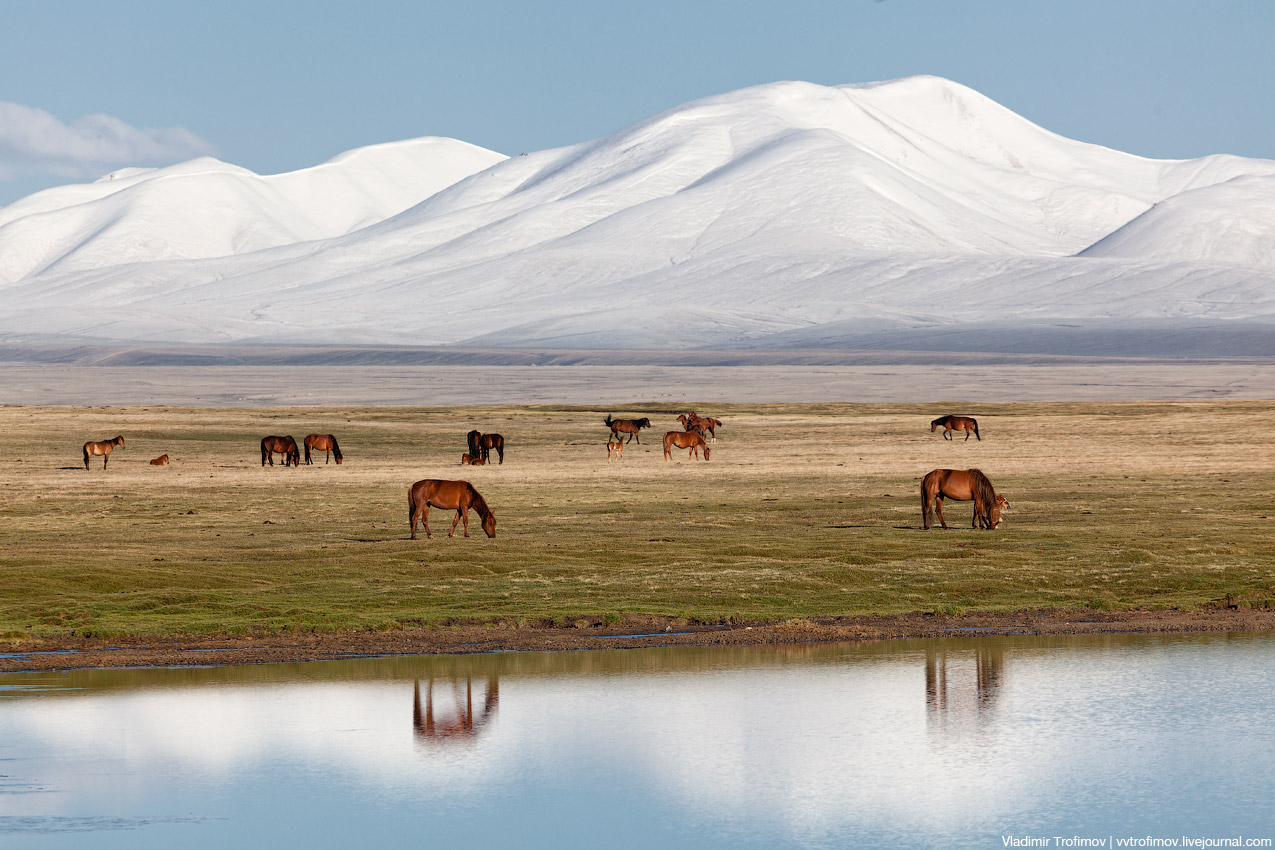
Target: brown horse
<point>480,445</point>
<point>968,424</point>
<point>962,485</point>
<point>285,446</point>
<point>704,424</point>
<point>162,460</point>
<point>459,496</point>
<point>469,460</point>
<point>692,440</point>
<point>325,443</point>
<point>627,426</point>
<point>103,448</point>
<point>615,448</point>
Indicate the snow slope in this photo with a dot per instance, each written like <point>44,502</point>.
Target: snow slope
<point>753,217</point>
<point>207,208</point>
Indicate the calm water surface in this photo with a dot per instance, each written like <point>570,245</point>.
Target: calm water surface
<point>955,743</point>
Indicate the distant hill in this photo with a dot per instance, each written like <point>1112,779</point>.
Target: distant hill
<point>783,215</point>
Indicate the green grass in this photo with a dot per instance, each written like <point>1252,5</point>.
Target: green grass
<point>804,511</point>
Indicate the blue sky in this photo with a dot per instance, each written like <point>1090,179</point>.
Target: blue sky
<point>275,86</point>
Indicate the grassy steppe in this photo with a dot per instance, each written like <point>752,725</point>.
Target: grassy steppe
<point>804,510</point>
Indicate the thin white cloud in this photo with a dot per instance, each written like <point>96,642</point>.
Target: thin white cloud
<point>33,141</point>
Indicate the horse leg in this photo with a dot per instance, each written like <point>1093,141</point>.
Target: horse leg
<point>967,435</point>
<point>105,457</point>
<point>459,513</point>
<point>938,508</point>
<point>412,514</point>
<point>425,520</point>
<point>500,450</point>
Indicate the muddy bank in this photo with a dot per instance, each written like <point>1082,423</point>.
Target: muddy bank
<point>632,632</point>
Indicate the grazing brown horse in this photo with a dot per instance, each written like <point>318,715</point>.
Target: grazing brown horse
<point>162,460</point>
<point>103,448</point>
<point>704,424</point>
<point>615,448</point>
<point>962,485</point>
<point>480,445</point>
<point>469,460</point>
<point>285,446</point>
<point>325,443</point>
<point>692,440</point>
<point>627,426</point>
<point>459,496</point>
<point>968,424</point>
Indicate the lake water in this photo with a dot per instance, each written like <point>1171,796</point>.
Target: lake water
<point>967,742</point>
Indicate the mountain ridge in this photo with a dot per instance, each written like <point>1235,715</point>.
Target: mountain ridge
<point>751,215</point>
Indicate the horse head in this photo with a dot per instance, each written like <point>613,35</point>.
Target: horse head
<point>489,524</point>
<point>707,450</point>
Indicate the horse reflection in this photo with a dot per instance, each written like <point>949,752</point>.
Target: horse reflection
<point>460,723</point>
<point>951,699</point>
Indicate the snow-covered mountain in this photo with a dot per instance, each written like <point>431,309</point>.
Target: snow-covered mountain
<point>784,214</point>
<point>207,208</point>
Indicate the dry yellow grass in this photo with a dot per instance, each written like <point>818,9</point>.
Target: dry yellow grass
<point>804,510</point>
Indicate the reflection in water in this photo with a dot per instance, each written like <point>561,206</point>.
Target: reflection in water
<point>459,724</point>
<point>973,688</point>
<point>902,744</point>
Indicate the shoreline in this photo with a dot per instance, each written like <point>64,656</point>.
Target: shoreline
<point>634,631</point>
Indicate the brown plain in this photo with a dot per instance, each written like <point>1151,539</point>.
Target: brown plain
<point>809,511</point>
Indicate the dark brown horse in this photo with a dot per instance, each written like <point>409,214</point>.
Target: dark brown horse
<point>627,426</point>
<point>962,485</point>
<point>103,448</point>
<point>704,424</point>
<point>458,496</point>
<point>968,424</point>
<point>692,440</point>
<point>480,445</point>
<point>325,443</point>
<point>285,446</point>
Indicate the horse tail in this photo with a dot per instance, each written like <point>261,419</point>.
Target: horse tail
<point>306,442</point>
<point>975,422</point>
<point>984,494</point>
<point>925,500</point>
<point>500,448</point>
<point>336,450</point>
<point>86,455</point>
<point>411,505</point>
<point>264,451</point>
<point>607,422</point>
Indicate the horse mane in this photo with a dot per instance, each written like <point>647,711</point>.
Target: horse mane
<point>479,503</point>
<point>336,450</point>
<point>984,494</point>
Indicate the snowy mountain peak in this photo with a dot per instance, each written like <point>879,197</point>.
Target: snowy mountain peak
<point>789,211</point>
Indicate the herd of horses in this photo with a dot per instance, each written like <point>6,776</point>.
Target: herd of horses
<point>287,446</point>
<point>958,485</point>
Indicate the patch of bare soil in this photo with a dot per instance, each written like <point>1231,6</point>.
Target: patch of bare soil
<point>632,632</point>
